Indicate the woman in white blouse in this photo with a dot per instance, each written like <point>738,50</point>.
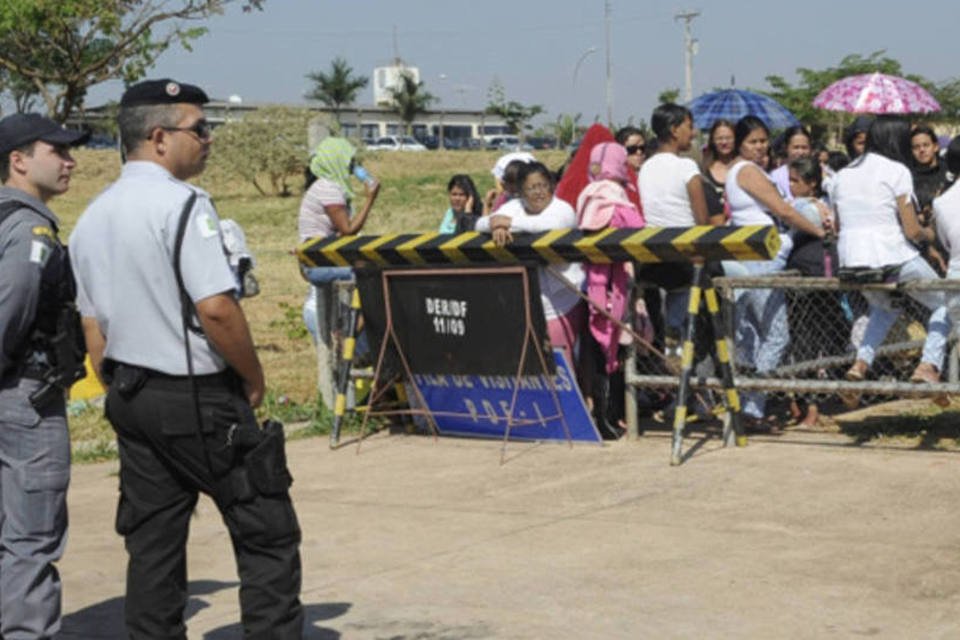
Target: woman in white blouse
<point>538,210</point>
<point>878,224</point>
<point>762,331</point>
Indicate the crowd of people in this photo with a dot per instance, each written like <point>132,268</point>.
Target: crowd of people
<point>882,206</point>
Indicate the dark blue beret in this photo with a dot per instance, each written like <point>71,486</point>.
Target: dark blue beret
<point>165,91</point>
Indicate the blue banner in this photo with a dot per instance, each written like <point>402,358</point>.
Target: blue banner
<point>482,405</point>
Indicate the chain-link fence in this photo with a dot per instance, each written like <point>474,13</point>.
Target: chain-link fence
<point>793,339</point>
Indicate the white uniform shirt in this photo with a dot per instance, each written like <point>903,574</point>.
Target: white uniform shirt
<point>865,197</point>
<point>663,190</point>
<point>556,297</point>
<point>946,213</point>
<point>122,256</point>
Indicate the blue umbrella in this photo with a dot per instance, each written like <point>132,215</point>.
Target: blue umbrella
<point>733,104</point>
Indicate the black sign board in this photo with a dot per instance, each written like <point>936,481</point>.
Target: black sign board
<point>457,321</point>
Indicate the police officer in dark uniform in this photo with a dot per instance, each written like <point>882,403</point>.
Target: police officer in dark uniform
<point>41,354</point>
<point>166,332</point>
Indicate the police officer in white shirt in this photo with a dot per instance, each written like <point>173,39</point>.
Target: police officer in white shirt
<point>180,400</point>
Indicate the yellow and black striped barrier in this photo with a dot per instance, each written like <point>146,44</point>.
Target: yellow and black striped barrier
<point>733,429</point>
<point>647,245</point>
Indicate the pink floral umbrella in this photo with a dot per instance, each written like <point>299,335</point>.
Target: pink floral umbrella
<point>876,93</point>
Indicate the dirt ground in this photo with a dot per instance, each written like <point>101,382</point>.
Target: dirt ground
<point>802,535</point>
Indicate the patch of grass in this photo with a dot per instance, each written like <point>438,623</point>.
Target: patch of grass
<point>98,450</point>
<point>290,321</point>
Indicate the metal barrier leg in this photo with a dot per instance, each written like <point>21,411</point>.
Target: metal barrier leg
<point>686,365</point>
<point>346,363</point>
<point>731,398</point>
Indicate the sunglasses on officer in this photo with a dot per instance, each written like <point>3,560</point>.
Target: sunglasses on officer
<point>201,129</point>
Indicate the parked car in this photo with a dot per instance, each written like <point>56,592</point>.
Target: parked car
<point>433,142</point>
<point>101,141</point>
<point>470,144</point>
<point>504,141</point>
<point>397,143</point>
<point>542,143</point>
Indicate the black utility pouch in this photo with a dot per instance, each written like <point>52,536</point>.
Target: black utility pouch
<point>128,380</point>
<point>267,462</point>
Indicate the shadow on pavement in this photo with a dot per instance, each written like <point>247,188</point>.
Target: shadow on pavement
<point>312,614</point>
<point>104,620</point>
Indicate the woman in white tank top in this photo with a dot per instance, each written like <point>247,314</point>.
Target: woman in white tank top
<point>762,333</point>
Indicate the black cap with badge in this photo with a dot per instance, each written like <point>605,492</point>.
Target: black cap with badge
<point>165,91</point>
<point>20,129</point>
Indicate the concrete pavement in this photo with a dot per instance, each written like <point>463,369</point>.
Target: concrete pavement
<point>798,536</point>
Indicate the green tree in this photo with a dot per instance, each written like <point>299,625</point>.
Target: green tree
<point>63,47</point>
<point>410,99</point>
<point>566,128</point>
<point>338,88</point>
<point>668,95</point>
<point>516,115</point>
<point>21,93</point>
<point>947,94</point>
<point>267,148</point>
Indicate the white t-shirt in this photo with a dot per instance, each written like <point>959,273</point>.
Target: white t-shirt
<point>663,190</point>
<point>313,221</point>
<point>865,197</point>
<point>746,210</point>
<point>946,213</point>
<point>556,297</point>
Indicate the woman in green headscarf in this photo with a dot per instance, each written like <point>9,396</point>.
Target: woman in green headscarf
<point>326,209</point>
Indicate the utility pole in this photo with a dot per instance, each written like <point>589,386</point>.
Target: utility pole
<point>606,24</point>
<point>689,50</point>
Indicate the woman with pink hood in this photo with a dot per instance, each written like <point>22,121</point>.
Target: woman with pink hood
<point>604,203</point>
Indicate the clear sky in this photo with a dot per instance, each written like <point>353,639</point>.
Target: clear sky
<point>532,47</point>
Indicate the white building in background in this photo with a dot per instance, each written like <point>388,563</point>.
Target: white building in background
<point>386,79</point>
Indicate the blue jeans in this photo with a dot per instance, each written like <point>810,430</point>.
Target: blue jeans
<point>883,315</point>
<point>761,326</point>
<point>953,300</point>
<point>315,305</point>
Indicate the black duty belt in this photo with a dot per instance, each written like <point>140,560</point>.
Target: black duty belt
<point>157,379</point>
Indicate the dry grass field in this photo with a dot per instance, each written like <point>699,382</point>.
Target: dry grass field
<point>412,198</point>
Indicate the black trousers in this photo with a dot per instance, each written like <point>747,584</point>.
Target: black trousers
<point>164,463</point>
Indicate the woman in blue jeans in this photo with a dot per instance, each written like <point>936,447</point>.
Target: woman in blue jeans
<point>326,210</point>
<point>762,330</point>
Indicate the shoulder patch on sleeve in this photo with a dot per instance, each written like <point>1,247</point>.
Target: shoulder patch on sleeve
<point>39,252</point>
<point>207,225</point>
<point>41,230</point>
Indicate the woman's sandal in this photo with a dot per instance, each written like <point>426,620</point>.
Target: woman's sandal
<point>927,374</point>
<point>851,399</point>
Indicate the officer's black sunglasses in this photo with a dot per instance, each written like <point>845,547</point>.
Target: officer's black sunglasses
<point>201,129</point>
